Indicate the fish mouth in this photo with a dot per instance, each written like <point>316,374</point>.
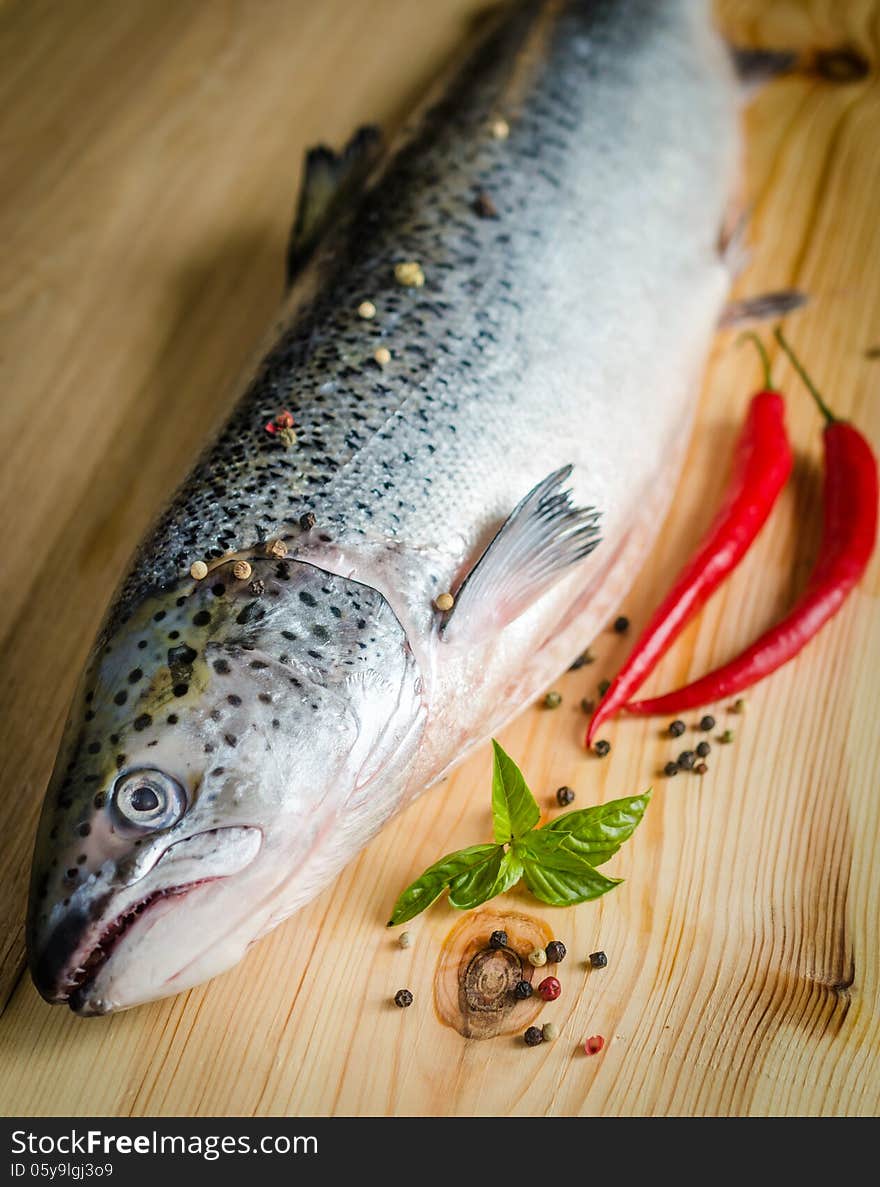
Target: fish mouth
<point>77,989</point>
<point>67,964</point>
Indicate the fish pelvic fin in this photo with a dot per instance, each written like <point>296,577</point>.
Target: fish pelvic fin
<point>543,535</point>
<point>761,307</point>
<point>331,183</point>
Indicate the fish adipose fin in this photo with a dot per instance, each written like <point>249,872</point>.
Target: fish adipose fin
<point>331,181</point>
<point>542,536</point>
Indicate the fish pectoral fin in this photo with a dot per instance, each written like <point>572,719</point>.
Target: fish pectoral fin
<point>331,181</point>
<point>761,307</point>
<point>542,536</point>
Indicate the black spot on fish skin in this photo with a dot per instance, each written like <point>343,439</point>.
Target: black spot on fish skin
<point>221,667</point>
<point>121,697</point>
<point>180,661</point>
<point>202,618</point>
<point>233,699</point>
<point>180,690</point>
<point>231,740</point>
<point>135,675</point>
<point>247,613</point>
<point>141,723</point>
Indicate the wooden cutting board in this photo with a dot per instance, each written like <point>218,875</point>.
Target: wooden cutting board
<point>150,156</point>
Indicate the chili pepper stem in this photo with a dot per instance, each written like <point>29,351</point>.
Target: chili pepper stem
<point>802,372</point>
<point>751,336</point>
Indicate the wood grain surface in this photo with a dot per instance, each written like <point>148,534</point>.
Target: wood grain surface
<point>150,151</point>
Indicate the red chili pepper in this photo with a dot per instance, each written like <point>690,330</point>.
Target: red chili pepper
<point>761,465</point>
<point>849,534</point>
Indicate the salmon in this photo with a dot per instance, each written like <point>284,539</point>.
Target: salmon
<point>480,384</point>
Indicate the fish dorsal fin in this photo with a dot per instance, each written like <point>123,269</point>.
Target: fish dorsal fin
<point>330,181</point>
<point>542,536</point>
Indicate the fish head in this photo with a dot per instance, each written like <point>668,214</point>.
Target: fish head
<point>226,738</point>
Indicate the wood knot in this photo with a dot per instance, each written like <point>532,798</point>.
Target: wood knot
<point>474,984</point>
<point>490,979</point>
<point>843,64</point>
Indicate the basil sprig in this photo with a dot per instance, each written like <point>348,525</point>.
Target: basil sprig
<point>557,862</point>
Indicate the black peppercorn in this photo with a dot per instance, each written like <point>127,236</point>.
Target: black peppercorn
<point>676,728</point>
<point>602,748</point>
<point>581,662</point>
<point>552,700</point>
<point>703,749</point>
<point>598,960</point>
<point>671,769</point>
<point>403,998</point>
<point>604,685</point>
<point>498,939</point>
<point>522,990</point>
<point>587,705</point>
<point>707,723</point>
<point>621,625</point>
<point>307,521</point>
<point>564,796</point>
<point>533,1036</point>
<point>555,951</point>
<point>686,760</point>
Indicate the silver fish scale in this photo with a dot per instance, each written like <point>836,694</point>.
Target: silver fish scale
<point>433,450</point>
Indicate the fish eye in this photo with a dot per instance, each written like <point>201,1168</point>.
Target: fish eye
<point>147,799</point>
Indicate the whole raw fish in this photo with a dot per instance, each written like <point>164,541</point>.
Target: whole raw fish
<point>237,737</point>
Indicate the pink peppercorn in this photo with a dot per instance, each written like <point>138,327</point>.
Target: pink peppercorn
<point>549,989</point>
<point>594,1044</point>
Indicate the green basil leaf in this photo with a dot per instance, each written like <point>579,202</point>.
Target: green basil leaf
<point>597,833</point>
<point>514,810</point>
<point>556,874</point>
<point>421,893</point>
<point>494,876</point>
